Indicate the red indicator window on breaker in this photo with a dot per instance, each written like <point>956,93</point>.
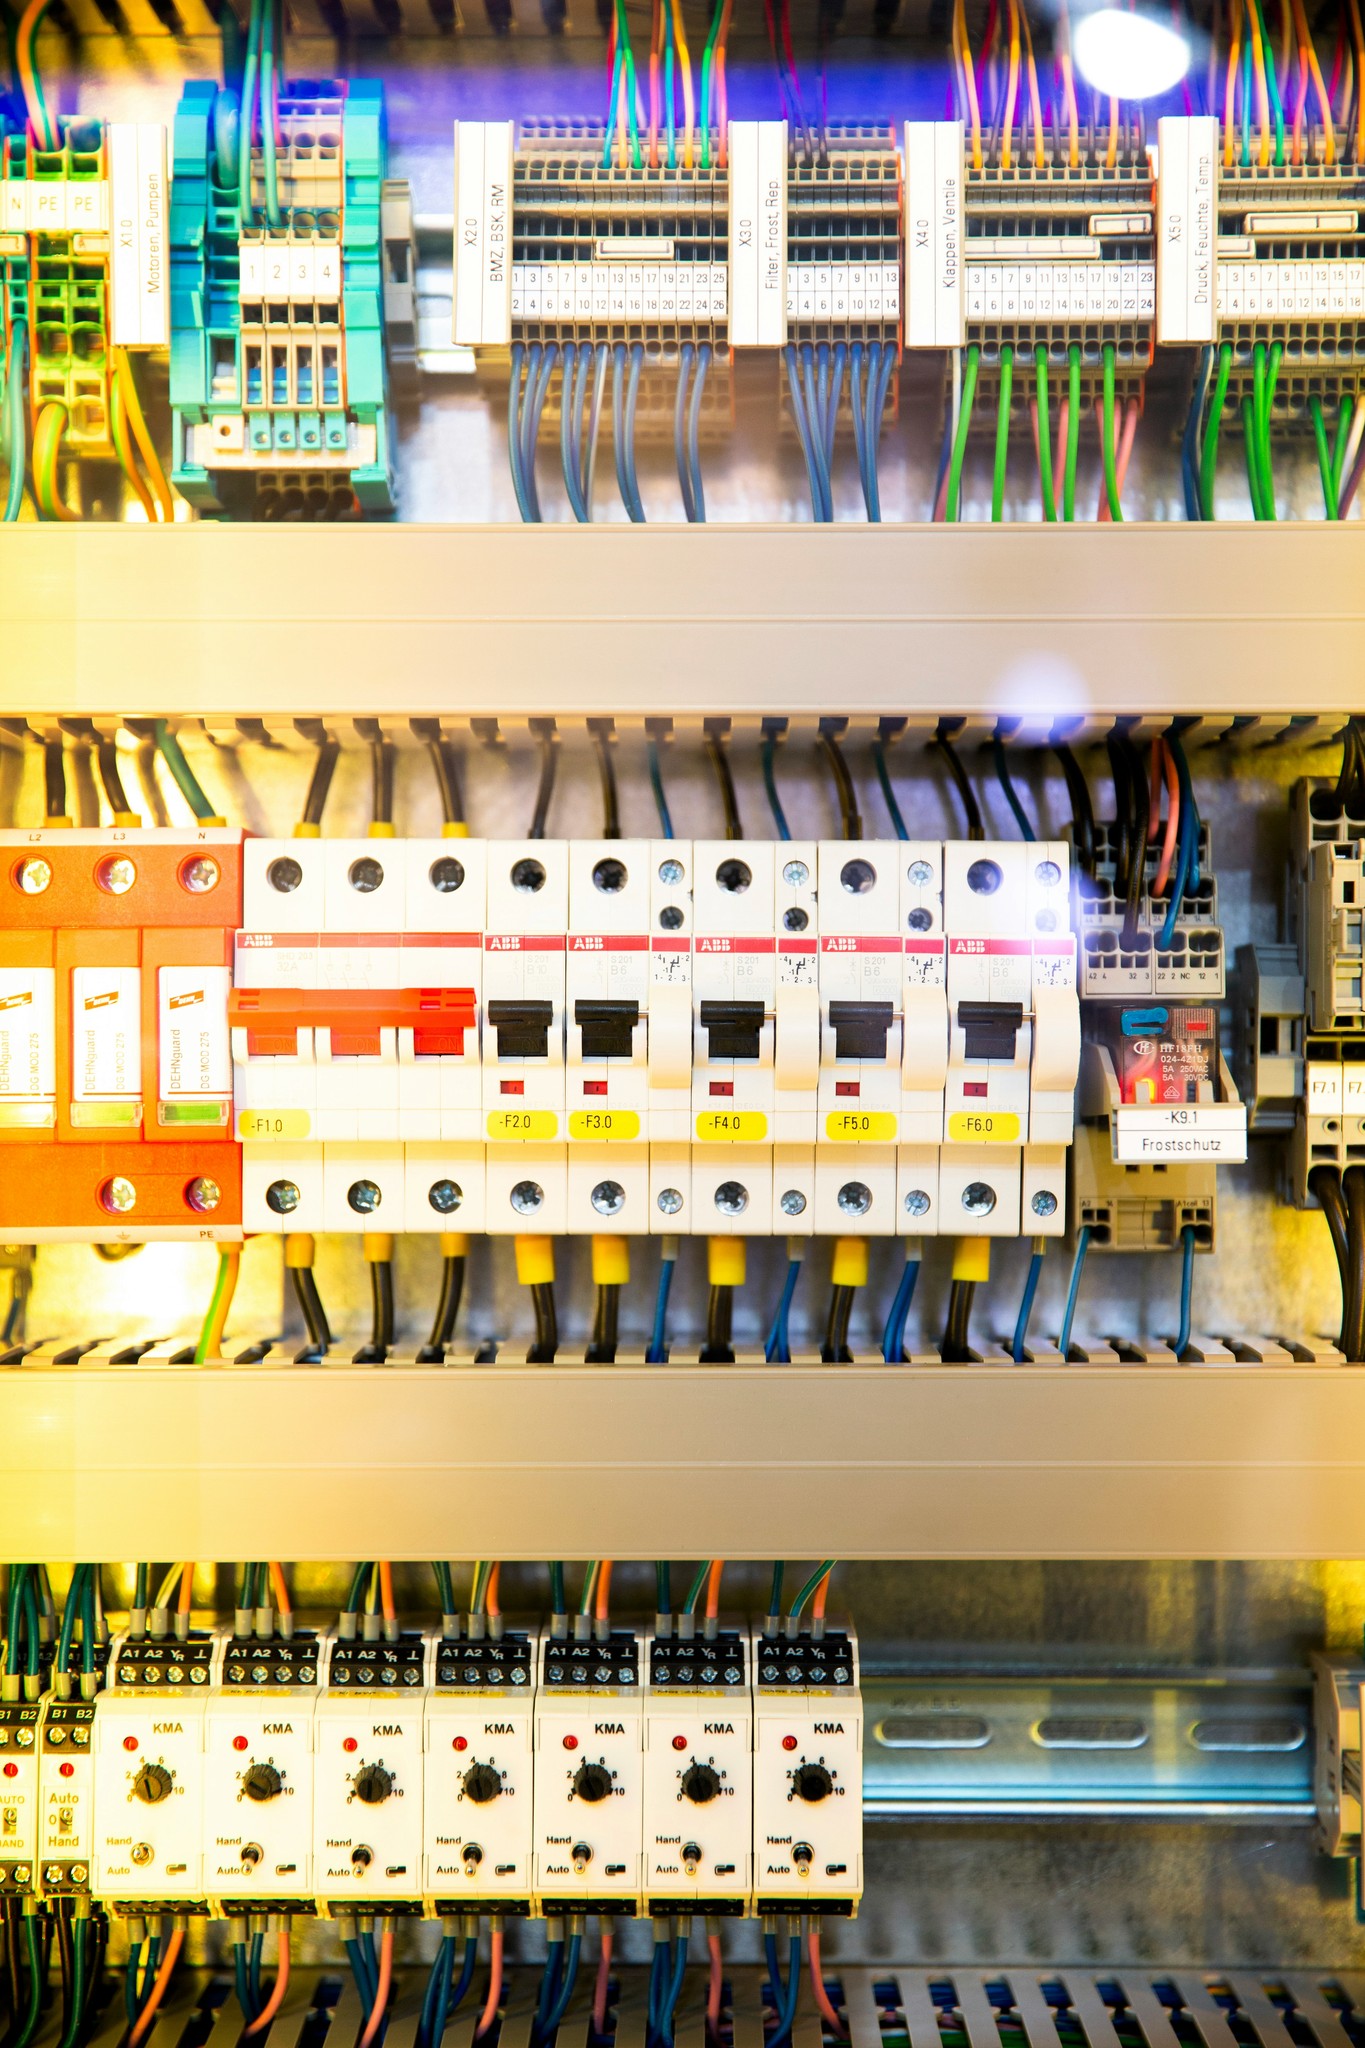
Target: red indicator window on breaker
<point>974,1088</point>
<point>848,1087</point>
<point>512,1087</point>
<point>594,1087</point>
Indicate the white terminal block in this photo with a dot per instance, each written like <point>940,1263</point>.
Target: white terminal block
<point>258,1797</point>
<point>862,1023</point>
<point>589,1775</point>
<point>698,1798</point>
<point>66,1797</point>
<point>149,1797</point>
<point>808,1774</point>
<point>19,1795</point>
<point>367,1798</point>
<point>478,1827</point>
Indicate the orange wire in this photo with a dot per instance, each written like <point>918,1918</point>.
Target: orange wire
<point>381,1996</point>
<point>490,2011</point>
<point>142,2024</point>
<point>277,1989</point>
<point>603,1589</point>
<point>817,1985</point>
<point>386,1603</point>
<point>1172,822</point>
<point>283,1603</point>
<point>819,1597</point>
<point>713,1588</point>
<point>186,1587</point>
<point>490,1595</point>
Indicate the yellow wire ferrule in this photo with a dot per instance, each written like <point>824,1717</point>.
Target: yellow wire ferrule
<point>849,1268</point>
<point>610,1261</point>
<point>535,1260</point>
<point>972,1258</point>
<point>725,1261</point>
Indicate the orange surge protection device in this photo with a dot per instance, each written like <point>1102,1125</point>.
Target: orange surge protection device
<point>115,1058</point>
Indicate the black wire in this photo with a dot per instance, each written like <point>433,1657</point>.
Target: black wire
<point>720,761</point>
<point>611,808</point>
<point>1325,1183</point>
<point>106,757</point>
<point>718,1349</point>
<point>602,1350</point>
<point>835,1349</point>
<point>447,780</point>
<point>54,778</point>
<point>545,789</point>
<point>542,1352</point>
<point>850,822</point>
<point>1082,810</point>
<point>1353,1323</point>
<point>975,828</point>
<point>955,1350</point>
<point>320,781</point>
<point>381,779</point>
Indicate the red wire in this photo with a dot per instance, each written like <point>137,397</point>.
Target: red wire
<point>817,1985</point>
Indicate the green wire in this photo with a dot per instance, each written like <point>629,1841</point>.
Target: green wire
<point>694,1591</point>
<point>1044,433</point>
<point>1002,432</point>
<point>171,752</point>
<point>589,1587</point>
<point>1111,478</point>
<point>1209,459</point>
<point>964,421</point>
<point>1073,428</point>
<point>799,1603</point>
<point>1329,496</point>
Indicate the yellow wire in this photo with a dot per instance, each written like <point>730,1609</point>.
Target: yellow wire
<point>689,104</point>
<point>146,444</point>
<point>1230,91</point>
<point>1012,89</point>
<point>118,429</point>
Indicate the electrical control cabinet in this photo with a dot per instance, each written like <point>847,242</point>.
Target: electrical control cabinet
<point>589,1773</point>
<point>479,1820</point>
<point>808,1802</point>
<point>368,1747</point>
<point>698,1773</point>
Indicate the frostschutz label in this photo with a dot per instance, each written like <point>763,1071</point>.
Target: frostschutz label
<point>482,302</point>
<point>934,273</point>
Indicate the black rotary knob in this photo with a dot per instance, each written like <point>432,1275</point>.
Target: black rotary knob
<point>373,1784</point>
<point>700,1784</point>
<point>482,1783</point>
<point>812,1782</point>
<point>153,1783</point>
<point>592,1782</point>
<point>262,1781</point>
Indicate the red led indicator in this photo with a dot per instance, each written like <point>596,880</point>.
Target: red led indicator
<point>11,1770</point>
<point>130,1742</point>
<point>239,1742</point>
<point>789,1742</point>
<point>679,1742</point>
<point>460,1742</point>
<point>349,1744</point>
<point>66,1770</point>
<point>570,1742</point>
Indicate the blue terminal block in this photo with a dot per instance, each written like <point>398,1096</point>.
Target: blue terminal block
<point>278,377</point>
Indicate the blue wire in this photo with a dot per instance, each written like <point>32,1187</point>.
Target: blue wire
<point>1182,1335</point>
<point>1017,1348</point>
<point>893,1336</point>
<point>514,428</point>
<point>802,427</point>
<point>565,1990</point>
<point>694,430</point>
<point>768,755</point>
<point>778,1350</point>
<point>657,1353</point>
<point>1189,444</point>
<point>685,356</point>
<point>1082,1246</point>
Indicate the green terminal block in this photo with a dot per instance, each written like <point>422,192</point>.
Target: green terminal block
<point>278,375</point>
